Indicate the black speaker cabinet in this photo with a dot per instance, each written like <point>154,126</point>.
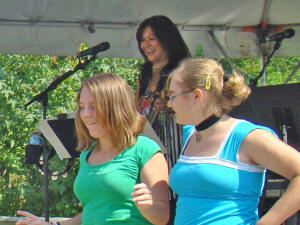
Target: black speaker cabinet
<point>277,107</point>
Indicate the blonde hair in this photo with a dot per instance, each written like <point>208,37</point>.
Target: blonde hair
<point>208,74</point>
<point>116,111</point>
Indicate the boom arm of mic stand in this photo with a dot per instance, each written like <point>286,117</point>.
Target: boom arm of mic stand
<point>253,82</point>
<point>43,98</point>
<point>60,79</point>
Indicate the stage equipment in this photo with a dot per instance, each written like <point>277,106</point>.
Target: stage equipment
<point>60,132</point>
<point>42,97</point>
<point>275,106</point>
<point>288,33</point>
<point>34,148</point>
<point>278,37</point>
<point>94,50</point>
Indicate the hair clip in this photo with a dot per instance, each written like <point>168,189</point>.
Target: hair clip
<point>207,82</point>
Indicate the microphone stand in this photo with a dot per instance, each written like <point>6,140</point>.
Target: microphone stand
<point>253,82</point>
<point>42,97</point>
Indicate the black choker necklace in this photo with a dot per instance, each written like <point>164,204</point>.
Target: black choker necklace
<point>207,123</point>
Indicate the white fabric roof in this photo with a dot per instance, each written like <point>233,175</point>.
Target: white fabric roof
<point>57,27</point>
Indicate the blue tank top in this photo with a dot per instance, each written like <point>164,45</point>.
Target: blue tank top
<point>218,190</point>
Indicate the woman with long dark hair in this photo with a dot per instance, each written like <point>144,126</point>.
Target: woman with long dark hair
<point>162,48</point>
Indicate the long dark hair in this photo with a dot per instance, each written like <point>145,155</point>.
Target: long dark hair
<point>172,42</point>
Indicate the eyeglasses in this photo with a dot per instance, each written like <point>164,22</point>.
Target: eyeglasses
<point>172,97</point>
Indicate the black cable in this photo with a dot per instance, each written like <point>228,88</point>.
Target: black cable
<point>51,154</point>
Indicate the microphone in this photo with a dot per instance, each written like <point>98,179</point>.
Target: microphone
<point>288,33</point>
<point>94,50</point>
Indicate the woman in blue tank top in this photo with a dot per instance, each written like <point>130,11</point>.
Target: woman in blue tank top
<point>220,173</point>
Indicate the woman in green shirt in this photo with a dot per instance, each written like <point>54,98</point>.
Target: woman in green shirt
<point>123,177</point>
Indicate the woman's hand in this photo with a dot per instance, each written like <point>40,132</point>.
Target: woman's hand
<point>30,219</point>
<point>142,196</point>
<point>151,195</point>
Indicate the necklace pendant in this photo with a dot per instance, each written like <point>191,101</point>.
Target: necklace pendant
<point>198,137</point>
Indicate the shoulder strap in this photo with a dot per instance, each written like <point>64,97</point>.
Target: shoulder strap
<point>187,132</point>
<point>238,134</point>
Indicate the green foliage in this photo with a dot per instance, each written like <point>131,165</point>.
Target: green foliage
<point>276,72</point>
<point>199,52</point>
<point>24,76</point>
<point>21,78</point>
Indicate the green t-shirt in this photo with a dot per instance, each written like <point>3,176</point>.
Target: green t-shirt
<point>105,190</point>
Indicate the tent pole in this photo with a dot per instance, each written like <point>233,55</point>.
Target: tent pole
<point>220,47</point>
<point>262,63</point>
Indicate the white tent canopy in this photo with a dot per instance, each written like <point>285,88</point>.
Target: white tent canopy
<point>57,27</point>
